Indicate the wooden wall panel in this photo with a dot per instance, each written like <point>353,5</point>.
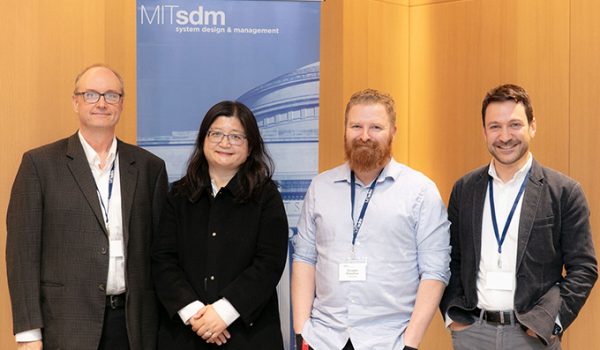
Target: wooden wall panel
<point>331,95</point>
<point>584,126</point>
<point>45,45</point>
<point>445,88</point>
<point>461,49</point>
<point>363,44</point>
<point>387,63</point>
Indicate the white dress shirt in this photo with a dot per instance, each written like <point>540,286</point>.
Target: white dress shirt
<point>488,297</point>
<point>115,283</point>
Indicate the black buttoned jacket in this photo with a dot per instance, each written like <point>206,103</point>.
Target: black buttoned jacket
<point>215,248</point>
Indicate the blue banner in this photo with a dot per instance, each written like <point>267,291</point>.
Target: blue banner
<point>193,54</point>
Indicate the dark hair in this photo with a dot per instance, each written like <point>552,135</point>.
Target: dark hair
<point>508,92</point>
<point>253,173</point>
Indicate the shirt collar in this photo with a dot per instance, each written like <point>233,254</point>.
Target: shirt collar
<point>92,156</point>
<point>519,175</point>
<point>392,170</point>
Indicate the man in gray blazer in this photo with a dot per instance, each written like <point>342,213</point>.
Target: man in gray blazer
<point>515,225</point>
<point>80,222</point>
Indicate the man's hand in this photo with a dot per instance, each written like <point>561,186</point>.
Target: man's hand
<point>457,326</point>
<point>531,333</point>
<point>30,345</point>
<point>206,323</point>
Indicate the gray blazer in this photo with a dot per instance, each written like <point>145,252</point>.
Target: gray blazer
<point>554,232</point>
<point>57,245</point>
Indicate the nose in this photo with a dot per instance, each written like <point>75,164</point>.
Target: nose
<point>364,135</point>
<point>505,135</point>
<point>101,102</point>
<point>225,137</point>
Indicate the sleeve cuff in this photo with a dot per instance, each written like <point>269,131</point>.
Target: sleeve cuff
<point>448,321</point>
<point>226,311</point>
<point>558,328</point>
<point>190,310</point>
<point>29,336</point>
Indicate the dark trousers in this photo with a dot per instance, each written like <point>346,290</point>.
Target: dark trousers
<point>114,329</point>
<point>302,345</point>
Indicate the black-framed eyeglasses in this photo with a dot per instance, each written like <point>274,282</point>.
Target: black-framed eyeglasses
<point>218,136</point>
<point>91,96</point>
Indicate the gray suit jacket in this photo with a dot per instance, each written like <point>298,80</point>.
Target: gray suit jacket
<point>554,232</point>
<point>57,245</point>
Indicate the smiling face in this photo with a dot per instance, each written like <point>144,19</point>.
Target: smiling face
<point>508,134</point>
<point>223,156</point>
<point>99,116</point>
<point>368,137</point>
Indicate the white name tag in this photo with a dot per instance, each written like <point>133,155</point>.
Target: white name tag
<point>353,270</point>
<point>116,249</point>
<point>500,281</point>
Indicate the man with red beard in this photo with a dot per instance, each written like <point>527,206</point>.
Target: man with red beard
<point>515,226</point>
<point>371,255</point>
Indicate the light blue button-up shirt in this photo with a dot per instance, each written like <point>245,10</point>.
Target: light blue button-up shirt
<point>404,238</point>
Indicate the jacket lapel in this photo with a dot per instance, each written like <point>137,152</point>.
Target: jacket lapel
<point>80,169</point>
<point>479,192</point>
<point>531,200</point>
<point>128,176</point>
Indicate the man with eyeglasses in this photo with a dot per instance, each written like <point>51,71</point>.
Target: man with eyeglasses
<point>80,222</point>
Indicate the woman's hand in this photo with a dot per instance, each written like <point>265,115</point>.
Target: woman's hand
<point>207,323</point>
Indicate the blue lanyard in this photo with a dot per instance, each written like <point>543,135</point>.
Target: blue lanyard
<point>111,177</point>
<point>500,239</point>
<point>356,225</point>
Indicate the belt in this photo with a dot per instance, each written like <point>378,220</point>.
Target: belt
<point>496,317</point>
<point>115,301</point>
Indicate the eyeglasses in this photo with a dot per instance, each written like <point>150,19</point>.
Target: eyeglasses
<point>91,96</point>
<point>217,137</point>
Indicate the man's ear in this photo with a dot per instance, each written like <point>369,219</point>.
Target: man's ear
<point>75,103</point>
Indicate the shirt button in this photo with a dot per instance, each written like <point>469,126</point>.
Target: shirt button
<point>212,278</point>
<point>251,324</point>
<point>214,234</point>
<point>101,287</point>
<point>103,250</point>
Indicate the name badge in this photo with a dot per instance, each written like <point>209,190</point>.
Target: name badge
<point>116,249</point>
<point>500,281</point>
<point>353,270</point>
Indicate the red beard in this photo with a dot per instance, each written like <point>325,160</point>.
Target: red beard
<point>367,156</point>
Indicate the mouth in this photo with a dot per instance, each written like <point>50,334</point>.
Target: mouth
<point>361,143</point>
<point>226,154</point>
<point>506,148</point>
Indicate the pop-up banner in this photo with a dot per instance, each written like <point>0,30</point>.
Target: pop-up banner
<point>265,54</point>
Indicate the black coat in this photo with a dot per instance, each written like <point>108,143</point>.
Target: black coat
<point>213,248</point>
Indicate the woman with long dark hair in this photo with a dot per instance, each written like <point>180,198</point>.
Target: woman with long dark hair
<point>222,242</point>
